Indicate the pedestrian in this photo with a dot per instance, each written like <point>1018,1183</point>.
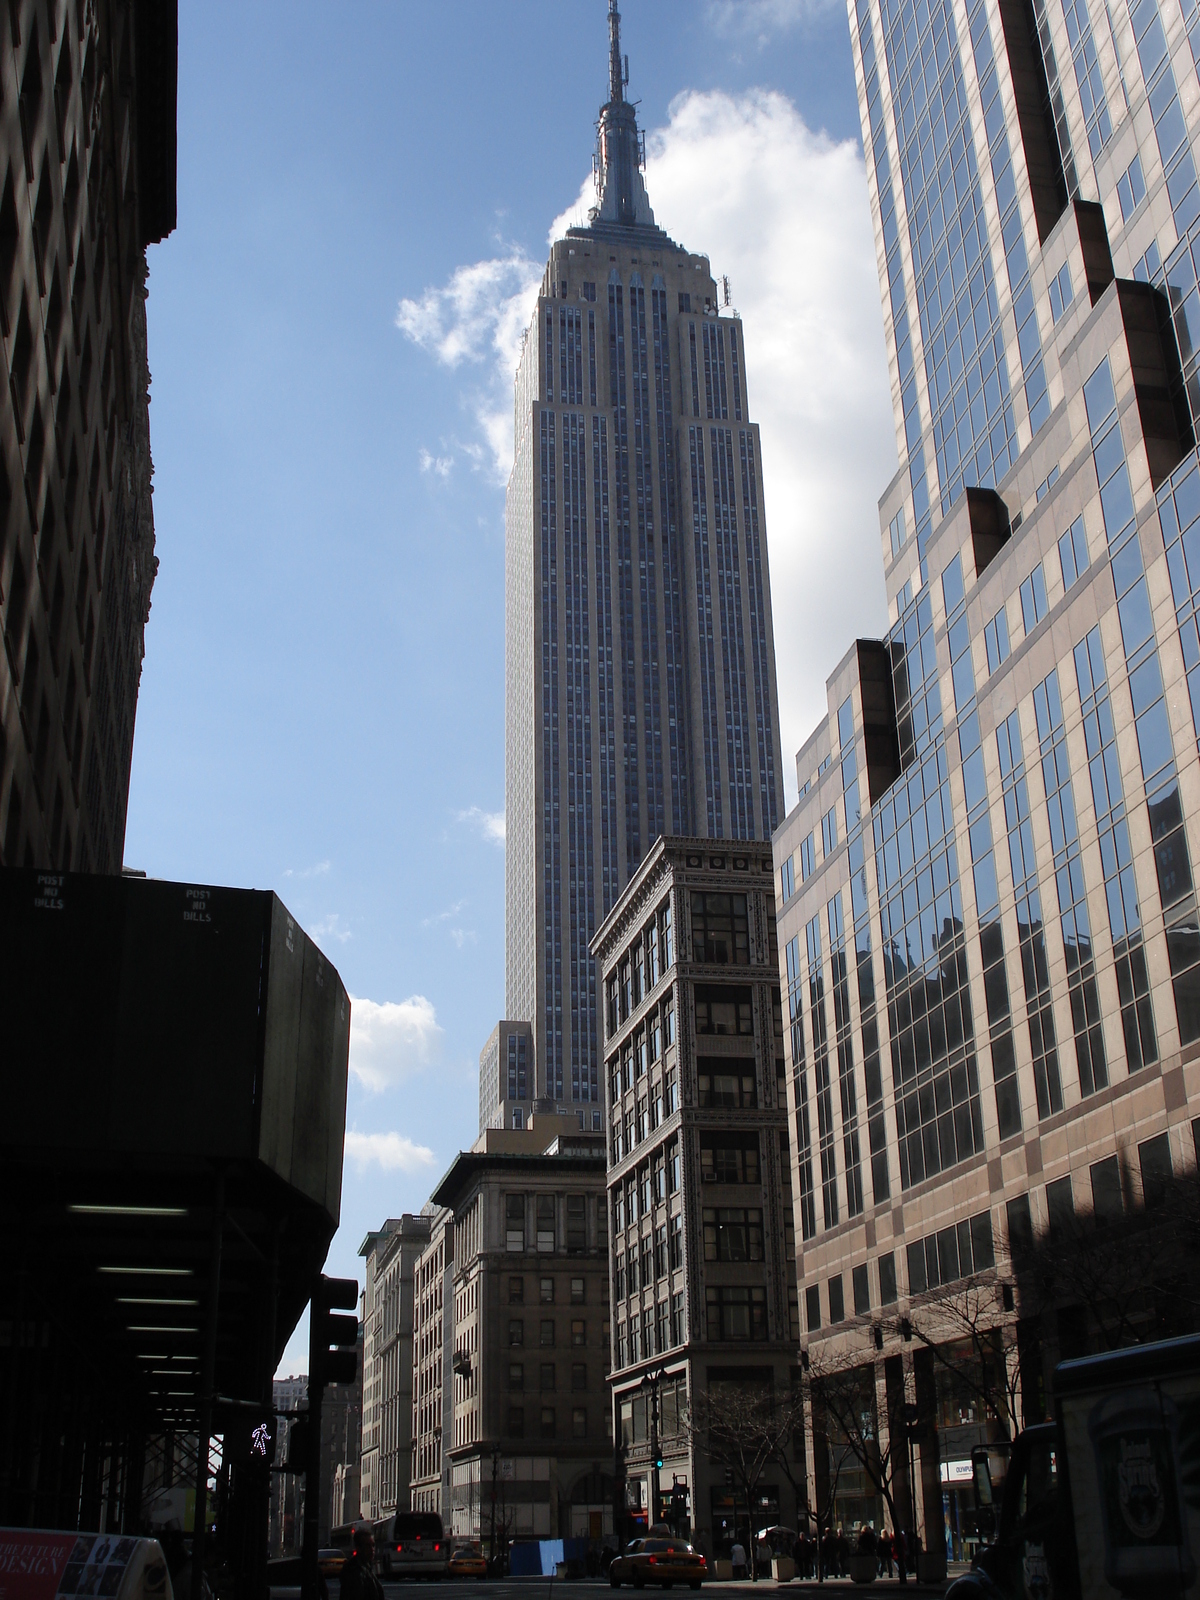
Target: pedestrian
<point>738,1557</point>
<point>885,1553</point>
<point>901,1546</point>
<point>358,1575</point>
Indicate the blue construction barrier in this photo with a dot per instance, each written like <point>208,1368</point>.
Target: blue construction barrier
<point>533,1558</point>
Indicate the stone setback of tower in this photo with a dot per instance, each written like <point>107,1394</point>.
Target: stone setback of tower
<point>641,695</point>
<point>989,870</point>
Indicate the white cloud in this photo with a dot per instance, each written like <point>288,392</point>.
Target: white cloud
<point>394,1152</point>
<point>329,927</point>
<point>784,212</point>
<point>479,318</point>
<point>320,870</point>
<point>761,18</point>
<point>442,466</point>
<point>393,1040</point>
<point>464,936</point>
<point>489,823</point>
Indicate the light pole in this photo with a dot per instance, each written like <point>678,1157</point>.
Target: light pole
<point>495,1471</point>
<point>650,1385</point>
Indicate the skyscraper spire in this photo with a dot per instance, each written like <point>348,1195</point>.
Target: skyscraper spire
<point>623,196</point>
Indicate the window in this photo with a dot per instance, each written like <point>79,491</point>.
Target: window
<point>547,1335</point>
<point>1107,1201</point>
<point>729,1158</point>
<point>1060,1206</point>
<point>896,531</point>
<point>1033,599</point>
<point>516,1332</point>
<point>1073,553</point>
<point>514,1211</point>
<point>1131,188</point>
<point>1020,1227</point>
<point>516,1421</point>
<point>653,971</point>
<point>887,1279</point>
<point>547,1422</point>
<point>660,1250</point>
<point>547,1291</point>
<point>545,1223</point>
<point>812,1307</point>
<point>995,638</point>
<point>735,1313</point>
<point>576,1224</point>
<point>732,1233</point>
<point>675,1243</point>
<point>1154,1158</point>
<point>546,1377</point>
<point>952,1253</point>
<point>516,1375</point>
<point>677,1318</point>
<point>1061,291</point>
<point>516,1291</point>
<point>837,1300</point>
<point>787,879</point>
<point>1047,483</point>
<point>829,833</point>
<point>638,960</point>
<point>577,1291</point>
<point>807,847</point>
<point>579,1422</point>
<point>720,929</point>
<point>667,937</point>
<point>722,1009</point>
<point>578,1331</point>
<point>670,1094</point>
<point>720,1083</point>
<point>862,1291</point>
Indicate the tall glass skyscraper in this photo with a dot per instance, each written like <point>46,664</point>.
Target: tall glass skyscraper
<point>640,659</point>
<point>988,923</point>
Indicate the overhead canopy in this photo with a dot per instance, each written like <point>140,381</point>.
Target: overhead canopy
<point>174,1057</point>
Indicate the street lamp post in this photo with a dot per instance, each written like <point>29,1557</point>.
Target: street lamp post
<point>650,1385</point>
<point>495,1471</point>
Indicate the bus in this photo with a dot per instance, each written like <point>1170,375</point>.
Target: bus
<point>411,1544</point>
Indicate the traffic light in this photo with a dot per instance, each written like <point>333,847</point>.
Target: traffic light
<point>332,1340</point>
<point>297,1460</point>
<point>658,1459</point>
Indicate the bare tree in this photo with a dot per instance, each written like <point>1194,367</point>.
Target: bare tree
<point>737,1425</point>
<point>971,1337</point>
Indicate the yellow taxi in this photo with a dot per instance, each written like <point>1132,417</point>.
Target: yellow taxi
<point>331,1561</point>
<point>662,1561</point>
<point>467,1560</point>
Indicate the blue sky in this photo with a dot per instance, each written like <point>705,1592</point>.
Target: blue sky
<point>365,198</point>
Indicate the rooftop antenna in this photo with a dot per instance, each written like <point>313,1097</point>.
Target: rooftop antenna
<point>726,291</point>
<point>618,69</point>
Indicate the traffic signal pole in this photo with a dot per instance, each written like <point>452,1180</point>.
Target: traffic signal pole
<point>332,1358</point>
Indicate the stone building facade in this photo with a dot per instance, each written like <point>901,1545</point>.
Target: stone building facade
<point>391,1256</point>
<point>703,1253</point>
<point>87,168</point>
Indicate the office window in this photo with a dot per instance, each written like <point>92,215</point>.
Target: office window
<point>837,1303</point>
<point>1131,188</point>
<point>576,1224</point>
<point>732,1233</point>
<point>1020,1227</point>
<point>547,1335</point>
<point>887,1279</point>
<point>579,1422</point>
<point>1107,1201</point>
<point>578,1291</point>
<point>1073,553</point>
<point>578,1331</point>
<point>516,1291</point>
<point>516,1422</point>
<point>862,1291</point>
<point>807,862</point>
<point>675,1242</point>
<point>723,1009</point>
<point>787,879</point>
<point>721,1083</point>
<point>995,638</point>
<point>829,833</point>
<point>547,1428</point>
<point>1154,1158</point>
<point>547,1291</point>
<point>812,1308</point>
<point>546,1376</point>
<point>720,929</point>
<point>1033,599</point>
<point>545,1223</point>
<point>514,1211</point>
<point>516,1375</point>
<point>1060,1205</point>
<point>729,1158</point>
<point>735,1313</point>
<point>516,1332</point>
<point>1061,291</point>
<point>896,532</point>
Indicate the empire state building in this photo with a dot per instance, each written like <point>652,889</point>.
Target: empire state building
<point>640,657</point>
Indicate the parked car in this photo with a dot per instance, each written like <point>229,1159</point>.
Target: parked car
<point>467,1560</point>
<point>662,1561</point>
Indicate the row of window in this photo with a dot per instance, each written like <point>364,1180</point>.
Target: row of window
<point>547,1331</point>
<point>650,1332</point>
<point>649,1259</point>
<point>644,1049</point>
<point>650,956</point>
<point>547,1376</point>
<point>544,1234</point>
<point>546,1291</point>
<point>548,1422</point>
<point>644,1117</point>
<point>648,1187</point>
